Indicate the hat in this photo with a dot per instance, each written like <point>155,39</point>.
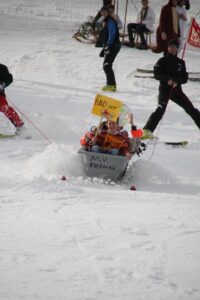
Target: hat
<point>173,43</point>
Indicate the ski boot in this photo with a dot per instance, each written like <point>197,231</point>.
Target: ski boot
<point>19,129</point>
<point>147,135</point>
<point>109,88</point>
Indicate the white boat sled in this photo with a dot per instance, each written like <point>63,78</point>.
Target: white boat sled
<point>103,165</point>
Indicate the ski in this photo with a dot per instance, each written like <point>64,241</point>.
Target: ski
<point>151,71</point>
<point>150,75</point>
<point>143,76</point>
<point>177,144</point>
<point>168,143</point>
<point>5,136</point>
<point>144,70</point>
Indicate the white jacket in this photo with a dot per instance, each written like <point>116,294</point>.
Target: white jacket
<point>182,23</point>
<point>149,19</point>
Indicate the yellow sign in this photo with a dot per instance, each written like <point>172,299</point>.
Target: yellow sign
<point>106,107</point>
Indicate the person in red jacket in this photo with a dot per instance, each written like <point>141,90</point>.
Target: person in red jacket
<point>168,28</point>
<point>111,141</point>
<point>86,140</point>
<point>5,80</point>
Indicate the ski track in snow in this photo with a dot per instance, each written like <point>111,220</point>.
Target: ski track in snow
<point>83,238</point>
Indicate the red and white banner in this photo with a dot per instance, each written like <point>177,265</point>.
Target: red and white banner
<point>194,34</point>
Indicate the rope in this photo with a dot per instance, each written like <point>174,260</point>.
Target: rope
<point>159,126</point>
<point>31,122</point>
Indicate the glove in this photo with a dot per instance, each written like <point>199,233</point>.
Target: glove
<point>106,50</point>
<point>2,86</point>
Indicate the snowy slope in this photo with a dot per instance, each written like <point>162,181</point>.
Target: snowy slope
<point>90,239</point>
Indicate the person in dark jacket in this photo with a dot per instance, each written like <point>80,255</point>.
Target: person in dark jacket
<point>5,80</point>
<point>105,3</point>
<point>171,72</point>
<point>111,48</point>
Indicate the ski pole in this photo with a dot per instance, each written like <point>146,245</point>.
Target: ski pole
<point>156,137</point>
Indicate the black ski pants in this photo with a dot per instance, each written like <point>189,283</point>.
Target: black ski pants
<point>140,29</point>
<point>179,98</point>
<point>107,64</point>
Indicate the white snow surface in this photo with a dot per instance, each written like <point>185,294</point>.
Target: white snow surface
<point>85,239</point>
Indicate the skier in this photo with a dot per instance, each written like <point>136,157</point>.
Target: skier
<point>100,25</point>
<point>98,16</point>
<point>171,72</point>
<point>5,80</point>
<point>113,15</point>
<point>111,48</point>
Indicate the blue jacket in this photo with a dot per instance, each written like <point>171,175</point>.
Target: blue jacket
<point>111,32</point>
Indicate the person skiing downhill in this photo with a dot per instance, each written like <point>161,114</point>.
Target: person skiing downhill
<point>111,48</point>
<point>5,80</point>
<point>171,72</point>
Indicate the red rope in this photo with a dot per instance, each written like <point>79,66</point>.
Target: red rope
<point>29,120</point>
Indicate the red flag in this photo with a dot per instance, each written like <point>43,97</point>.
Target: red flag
<point>194,34</point>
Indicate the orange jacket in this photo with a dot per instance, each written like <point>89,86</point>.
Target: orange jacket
<point>86,139</point>
<point>113,141</point>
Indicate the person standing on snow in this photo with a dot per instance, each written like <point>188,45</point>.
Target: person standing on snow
<point>100,24</point>
<point>114,16</point>
<point>5,80</point>
<point>168,28</point>
<point>182,15</point>
<point>111,48</point>
<point>98,16</point>
<point>171,72</point>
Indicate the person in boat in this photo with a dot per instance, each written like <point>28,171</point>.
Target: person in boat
<point>86,140</point>
<point>111,141</point>
<point>134,142</point>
